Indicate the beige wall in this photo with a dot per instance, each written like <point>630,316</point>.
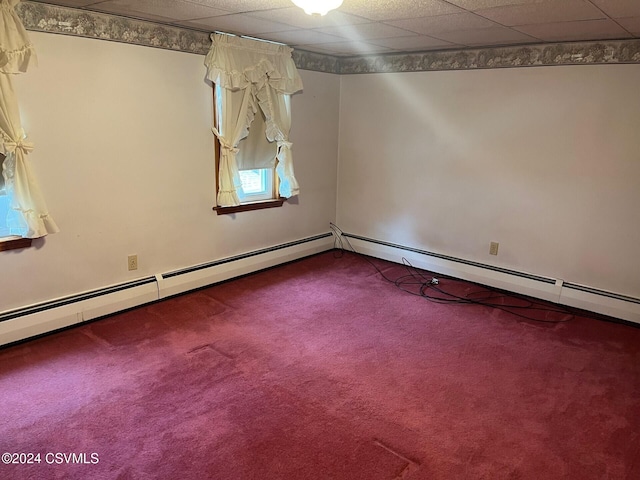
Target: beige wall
<point>124,157</point>
<point>545,161</point>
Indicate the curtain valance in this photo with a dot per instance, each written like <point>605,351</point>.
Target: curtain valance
<point>16,50</point>
<point>235,63</point>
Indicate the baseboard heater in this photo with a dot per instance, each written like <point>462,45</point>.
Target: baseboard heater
<point>38,319</point>
<point>616,305</point>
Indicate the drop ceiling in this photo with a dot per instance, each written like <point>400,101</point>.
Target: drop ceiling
<point>361,27</point>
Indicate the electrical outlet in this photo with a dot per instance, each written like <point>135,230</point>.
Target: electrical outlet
<point>132,260</point>
<point>493,248</point>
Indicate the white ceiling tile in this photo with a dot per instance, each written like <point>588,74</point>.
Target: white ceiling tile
<point>396,9</point>
<point>355,48</point>
<point>474,5</point>
<point>176,9</point>
<point>302,37</point>
<point>296,17</point>
<point>238,23</point>
<point>486,36</point>
<point>72,3</point>
<point>365,31</point>
<point>570,31</point>
<point>413,43</point>
<point>631,24</point>
<point>546,12</point>
<point>444,23</point>
<point>619,8</point>
<point>316,48</point>
<point>107,7</point>
<point>238,6</point>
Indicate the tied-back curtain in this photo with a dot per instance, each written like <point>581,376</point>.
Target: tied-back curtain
<point>277,110</point>
<point>16,54</point>
<point>267,77</point>
<point>233,126</point>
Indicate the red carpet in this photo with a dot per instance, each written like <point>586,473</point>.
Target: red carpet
<point>321,370</point>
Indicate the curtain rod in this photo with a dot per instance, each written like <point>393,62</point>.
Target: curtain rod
<point>250,38</point>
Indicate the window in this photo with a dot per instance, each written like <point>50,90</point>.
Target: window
<point>253,83</point>
<point>259,184</point>
<point>12,226</point>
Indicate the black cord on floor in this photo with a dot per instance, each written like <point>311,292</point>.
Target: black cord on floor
<point>424,285</point>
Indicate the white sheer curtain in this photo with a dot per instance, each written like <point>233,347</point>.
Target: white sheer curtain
<point>266,76</point>
<point>16,54</point>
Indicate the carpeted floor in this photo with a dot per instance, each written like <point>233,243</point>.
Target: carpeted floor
<point>320,370</point>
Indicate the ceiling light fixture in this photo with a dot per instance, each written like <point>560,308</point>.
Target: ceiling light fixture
<point>317,7</point>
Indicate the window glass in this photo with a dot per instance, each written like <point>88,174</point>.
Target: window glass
<point>257,184</point>
<point>2,157</point>
<point>11,222</point>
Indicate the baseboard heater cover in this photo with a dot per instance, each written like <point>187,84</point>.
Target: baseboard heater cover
<point>65,312</point>
<point>190,278</point>
<point>454,259</point>
<point>555,290</point>
<point>60,302</point>
<point>38,319</point>
<point>602,293</point>
<point>246,255</point>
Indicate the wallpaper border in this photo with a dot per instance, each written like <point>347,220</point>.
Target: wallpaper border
<point>575,53</point>
<point>44,17</point>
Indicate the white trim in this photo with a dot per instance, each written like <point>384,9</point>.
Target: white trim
<point>59,313</point>
<point>603,302</point>
<point>174,285</point>
<point>29,326</point>
<point>553,290</point>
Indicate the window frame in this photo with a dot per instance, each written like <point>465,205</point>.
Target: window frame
<point>11,242</point>
<point>14,243</point>
<point>276,201</point>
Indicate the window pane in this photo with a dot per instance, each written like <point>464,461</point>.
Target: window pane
<point>11,222</point>
<point>2,157</point>
<point>257,184</point>
<point>253,181</point>
<point>4,210</point>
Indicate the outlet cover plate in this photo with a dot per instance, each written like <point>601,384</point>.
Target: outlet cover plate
<point>132,261</point>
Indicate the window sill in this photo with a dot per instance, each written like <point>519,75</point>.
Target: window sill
<point>10,243</point>
<point>247,207</point>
